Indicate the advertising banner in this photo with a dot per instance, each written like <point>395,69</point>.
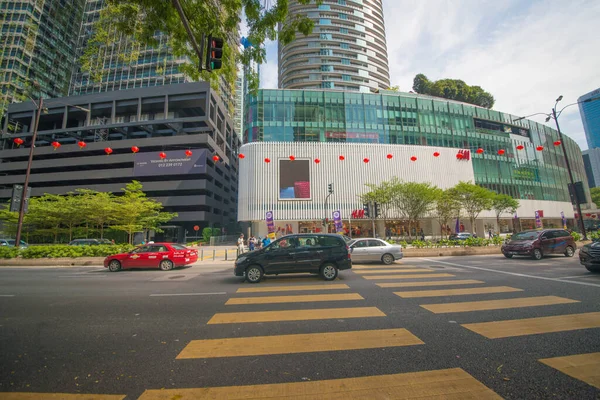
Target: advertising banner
<point>538,220</point>
<point>337,221</point>
<point>176,163</point>
<point>564,220</point>
<point>270,225</point>
<point>294,179</point>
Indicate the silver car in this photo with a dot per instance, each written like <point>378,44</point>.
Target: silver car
<point>371,249</point>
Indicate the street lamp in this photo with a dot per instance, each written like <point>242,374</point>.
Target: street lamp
<point>554,115</point>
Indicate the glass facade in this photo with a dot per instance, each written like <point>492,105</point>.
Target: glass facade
<point>590,116</point>
<point>403,118</point>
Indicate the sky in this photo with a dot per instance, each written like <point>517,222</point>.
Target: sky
<point>526,53</point>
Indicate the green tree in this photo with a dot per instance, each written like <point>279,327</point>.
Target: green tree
<point>421,84</point>
<point>383,195</point>
<point>45,216</point>
<point>473,199</point>
<point>503,203</point>
<point>446,208</point>
<point>595,192</point>
<point>453,89</point>
<point>98,208</point>
<point>413,200</point>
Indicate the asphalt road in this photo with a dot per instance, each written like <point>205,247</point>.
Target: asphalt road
<point>144,333</point>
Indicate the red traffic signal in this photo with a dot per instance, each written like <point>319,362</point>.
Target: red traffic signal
<point>214,53</point>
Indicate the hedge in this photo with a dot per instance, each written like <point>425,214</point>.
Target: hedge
<point>60,250</point>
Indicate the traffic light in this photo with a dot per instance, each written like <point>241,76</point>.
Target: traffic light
<point>366,209</point>
<point>17,195</point>
<point>330,188</point>
<point>376,210</point>
<point>214,53</point>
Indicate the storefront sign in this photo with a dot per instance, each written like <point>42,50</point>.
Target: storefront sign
<point>176,163</point>
<point>337,222</point>
<point>270,225</point>
<point>538,220</point>
<point>564,220</point>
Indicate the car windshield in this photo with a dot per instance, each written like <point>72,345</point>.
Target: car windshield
<point>525,236</point>
<point>178,247</point>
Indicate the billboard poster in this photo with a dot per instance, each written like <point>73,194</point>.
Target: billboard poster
<point>564,220</point>
<point>538,220</point>
<point>176,163</point>
<point>337,221</point>
<point>294,179</point>
<point>270,225</point>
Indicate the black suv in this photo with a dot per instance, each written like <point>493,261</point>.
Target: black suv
<point>324,254</point>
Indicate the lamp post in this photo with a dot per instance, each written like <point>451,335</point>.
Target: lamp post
<point>554,115</point>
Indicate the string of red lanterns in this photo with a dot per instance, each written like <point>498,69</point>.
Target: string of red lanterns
<point>81,144</point>
<point>18,141</point>
<point>135,149</point>
<point>108,151</point>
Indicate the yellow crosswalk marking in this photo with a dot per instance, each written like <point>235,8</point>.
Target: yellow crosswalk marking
<point>429,283</point>
<point>294,299</point>
<point>585,367</point>
<point>533,326</point>
<point>58,396</point>
<point>410,276</point>
<point>303,278</point>
<point>301,343</point>
<point>457,292</point>
<point>393,271</point>
<point>496,304</point>
<point>295,315</point>
<point>292,288</point>
<point>452,383</point>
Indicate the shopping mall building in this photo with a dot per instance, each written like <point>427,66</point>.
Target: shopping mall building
<point>350,139</point>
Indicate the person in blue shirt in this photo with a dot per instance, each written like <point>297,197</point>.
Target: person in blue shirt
<point>265,242</point>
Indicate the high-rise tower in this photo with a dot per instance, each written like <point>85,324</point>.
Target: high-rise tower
<point>346,50</point>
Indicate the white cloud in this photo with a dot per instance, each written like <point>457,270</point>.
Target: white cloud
<point>269,71</point>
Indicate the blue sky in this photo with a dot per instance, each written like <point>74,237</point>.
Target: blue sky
<point>526,53</point>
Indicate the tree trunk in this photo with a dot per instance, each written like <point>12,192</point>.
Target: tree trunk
<point>473,225</point>
<point>101,231</point>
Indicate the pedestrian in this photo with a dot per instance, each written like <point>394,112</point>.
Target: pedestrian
<point>240,244</point>
<point>251,243</point>
<point>388,233</point>
<point>422,235</point>
<point>113,241</point>
<point>266,241</point>
<point>490,233</point>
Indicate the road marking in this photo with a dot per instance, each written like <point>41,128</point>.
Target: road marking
<point>7,295</point>
<point>393,271</point>
<point>585,367</point>
<point>452,383</point>
<point>388,277</point>
<point>184,294</point>
<point>295,315</point>
<point>82,276</point>
<point>578,276</point>
<point>382,266</point>
<point>431,283</point>
<point>272,279</point>
<point>58,396</point>
<point>496,304</point>
<point>534,326</point>
<point>293,288</point>
<point>300,343</point>
<point>513,273</point>
<point>294,299</point>
<point>457,292</point>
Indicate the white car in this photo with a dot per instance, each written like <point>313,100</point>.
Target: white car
<point>375,250</point>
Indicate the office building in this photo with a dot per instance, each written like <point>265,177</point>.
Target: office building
<point>590,116</point>
<point>345,51</point>
<point>591,161</point>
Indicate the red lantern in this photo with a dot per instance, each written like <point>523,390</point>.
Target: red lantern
<point>216,158</point>
<point>292,158</point>
<point>436,154</point>
<point>241,156</point>
<point>18,141</point>
<point>389,156</point>
<point>162,155</point>
<point>413,158</point>
<point>520,147</point>
<point>81,144</point>
<point>588,215</point>
<point>135,149</point>
<point>317,161</point>
<point>108,151</point>
<point>267,160</point>
<point>557,143</point>
<point>501,152</point>
<point>56,145</point>
<point>188,153</point>
<point>365,160</point>
<point>539,148</point>
<point>460,156</point>
<point>342,158</point>
<point>479,151</point>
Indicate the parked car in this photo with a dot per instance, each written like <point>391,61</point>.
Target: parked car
<point>589,256</point>
<point>371,249</point>
<point>165,256</point>
<point>538,243</point>
<point>324,254</point>
<point>11,242</point>
<point>89,242</point>
<point>461,236</point>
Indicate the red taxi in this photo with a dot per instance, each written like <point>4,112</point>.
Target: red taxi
<point>165,256</point>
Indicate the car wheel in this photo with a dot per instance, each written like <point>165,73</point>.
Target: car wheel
<point>254,274</point>
<point>537,254</point>
<point>569,251</point>
<point>166,265</point>
<point>114,266</point>
<point>387,259</point>
<point>508,255</point>
<point>329,272</point>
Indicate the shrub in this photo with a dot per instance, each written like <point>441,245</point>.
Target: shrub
<point>576,236</point>
<point>56,251</point>
<point>8,252</point>
<point>206,234</point>
<point>594,235</point>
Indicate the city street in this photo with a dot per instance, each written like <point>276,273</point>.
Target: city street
<point>448,327</point>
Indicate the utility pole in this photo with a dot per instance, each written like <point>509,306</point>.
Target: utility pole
<point>199,50</point>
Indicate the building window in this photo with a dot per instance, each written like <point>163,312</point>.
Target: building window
<point>345,46</point>
<point>326,36</point>
<point>344,30</point>
<point>324,21</point>
<point>345,61</point>
<point>327,68</point>
<point>342,16</point>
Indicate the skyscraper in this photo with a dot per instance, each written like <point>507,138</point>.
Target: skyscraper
<point>37,47</point>
<point>590,116</point>
<point>346,50</point>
